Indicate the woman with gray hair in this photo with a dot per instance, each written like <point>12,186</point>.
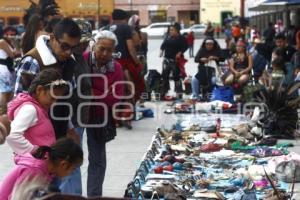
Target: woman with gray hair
<point>105,34</point>
<point>106,92</point>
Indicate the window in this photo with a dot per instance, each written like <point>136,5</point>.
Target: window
<point>13,20</point>
<point>157,15</point>
<point>199,27</point>
<point>160,26</point>
<point>2,21</point>
<point>133,12</point>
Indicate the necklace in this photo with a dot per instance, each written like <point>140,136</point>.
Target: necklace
<point>104,68</point>
<point>240,58</point>
<point>101,70</point>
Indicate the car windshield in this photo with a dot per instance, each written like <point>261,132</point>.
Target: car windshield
<point>159,26</point>
<point>198,26</point>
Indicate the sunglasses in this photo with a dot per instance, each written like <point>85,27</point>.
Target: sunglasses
<point>66,47</point>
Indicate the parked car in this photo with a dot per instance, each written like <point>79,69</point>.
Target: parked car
<point>198,29</point>
<point>156,29</point>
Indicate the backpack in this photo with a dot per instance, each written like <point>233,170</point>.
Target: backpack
<point>153,81</point>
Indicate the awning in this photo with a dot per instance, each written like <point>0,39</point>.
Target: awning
<point>275,5</point>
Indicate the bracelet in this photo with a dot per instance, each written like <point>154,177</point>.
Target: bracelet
<point>3,128</point>
<point>3,133</point>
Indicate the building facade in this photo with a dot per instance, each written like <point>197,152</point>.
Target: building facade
<point>87,9</point>
<point>183,11</point>
<point>216,11</point>
<point>261,16</point>
<point>250,4</point>
<point>12,12</point>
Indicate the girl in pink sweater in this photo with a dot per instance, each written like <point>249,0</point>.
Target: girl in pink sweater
<point>59,160</point>
<point>31,126</point>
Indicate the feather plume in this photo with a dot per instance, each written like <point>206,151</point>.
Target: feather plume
<point>280,115</point>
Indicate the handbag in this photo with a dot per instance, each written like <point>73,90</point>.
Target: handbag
<point>9,62</point>
<point>217,71</point>
<point>106,133</point>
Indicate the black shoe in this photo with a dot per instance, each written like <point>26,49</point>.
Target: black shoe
<point>127,124</point>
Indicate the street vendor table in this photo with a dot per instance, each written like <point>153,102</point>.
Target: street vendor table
<point>185,162</point>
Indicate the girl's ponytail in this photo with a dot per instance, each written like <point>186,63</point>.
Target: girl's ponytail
<point>63,149</point>
<point>66,149</point>
<point>40,153</point>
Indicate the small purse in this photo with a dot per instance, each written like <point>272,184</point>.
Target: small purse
<point>106,133</point>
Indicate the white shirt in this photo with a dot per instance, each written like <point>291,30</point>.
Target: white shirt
<point>25,118</point>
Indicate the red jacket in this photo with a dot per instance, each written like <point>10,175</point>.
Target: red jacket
<point>190,39</point>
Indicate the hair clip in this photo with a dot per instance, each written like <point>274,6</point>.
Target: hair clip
<point>57,83</point>
<point>40,192</point>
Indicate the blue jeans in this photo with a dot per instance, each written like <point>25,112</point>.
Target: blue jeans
<point>97,163</point>
<point>196,86</point>
<point>290,73</point>
<point>72,183</point>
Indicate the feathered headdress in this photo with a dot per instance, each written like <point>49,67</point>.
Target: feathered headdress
<point>43,8</point>
<point>279,117</point>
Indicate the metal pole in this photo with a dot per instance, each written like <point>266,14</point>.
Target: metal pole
<point>98,15</point>
<point>242,9</point>
<point>130,7</point>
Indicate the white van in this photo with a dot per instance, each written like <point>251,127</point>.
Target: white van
<point>156,29</point>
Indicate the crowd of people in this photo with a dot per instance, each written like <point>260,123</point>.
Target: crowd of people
<point>250,56</point>
<point>67,81</point>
